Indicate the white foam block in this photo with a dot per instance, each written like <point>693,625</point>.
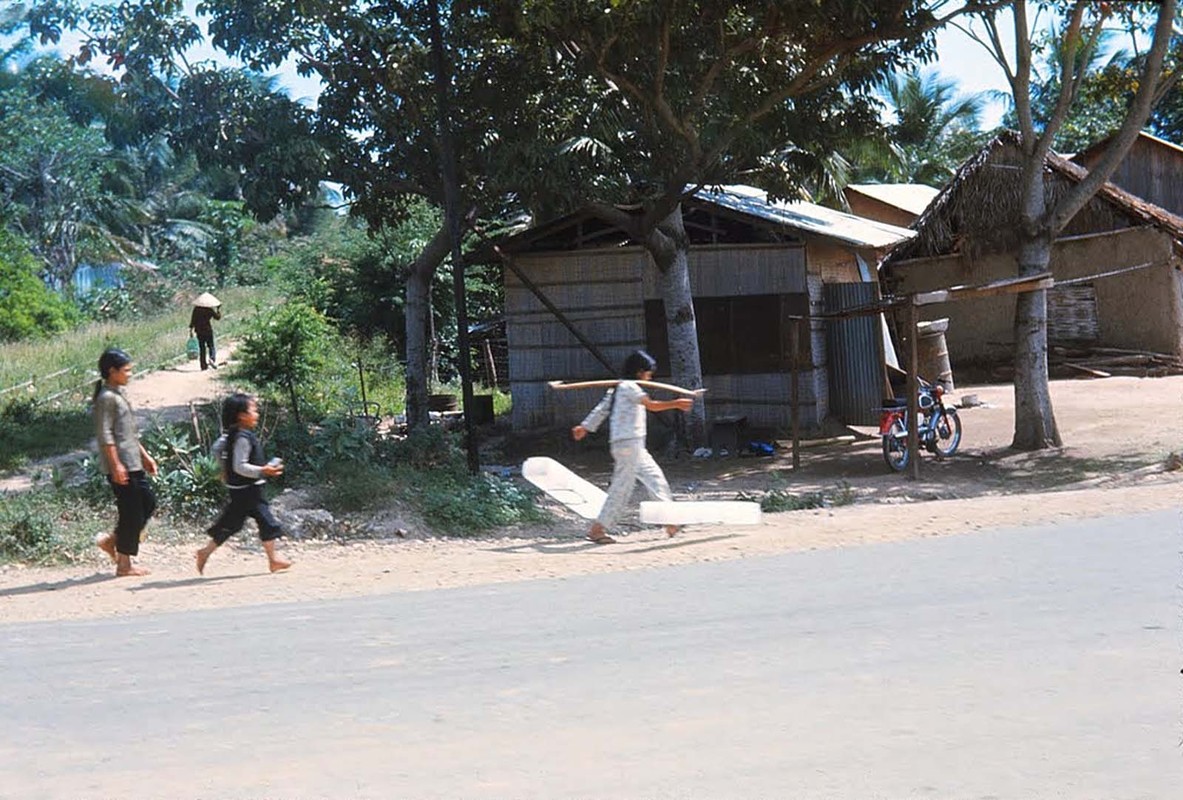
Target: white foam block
<point>701,512</point>
<point>581,496</point>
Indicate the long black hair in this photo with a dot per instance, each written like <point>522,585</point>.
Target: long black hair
<point>233,406</point>
<point>112,358</point>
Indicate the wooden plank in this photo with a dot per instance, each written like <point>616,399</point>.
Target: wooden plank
<point>1094,373</point>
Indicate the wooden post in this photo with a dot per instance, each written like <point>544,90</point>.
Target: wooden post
<point>794,391</point>
<point>913,393</point>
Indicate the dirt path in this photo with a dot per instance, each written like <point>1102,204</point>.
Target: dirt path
<point>1119,434</point>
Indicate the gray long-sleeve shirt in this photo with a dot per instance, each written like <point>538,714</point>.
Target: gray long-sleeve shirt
<point>240,459</point>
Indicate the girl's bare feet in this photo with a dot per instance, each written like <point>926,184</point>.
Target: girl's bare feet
<point>202,557</point>
<point>672,530</point>
<point>275,562</point>
<point>598,535</point>
<point>124,568</point>
<point>106,543</point>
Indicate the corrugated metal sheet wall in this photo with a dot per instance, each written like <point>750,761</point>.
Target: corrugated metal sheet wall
<point>855,362</point>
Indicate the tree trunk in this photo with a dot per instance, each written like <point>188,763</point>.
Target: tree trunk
<point>670,248</point>
<point>418,312</point>
<point>1035,422</point>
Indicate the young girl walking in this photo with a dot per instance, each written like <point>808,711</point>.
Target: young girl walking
<point>123,460</point>
<point>245,473</point>
<point>627,403</point>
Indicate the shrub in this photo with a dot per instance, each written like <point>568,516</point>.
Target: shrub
<point>777,500</point>
<point>457,502</point>
<point>28,308</point>
<point>284,350</point>
<point>44,526</point>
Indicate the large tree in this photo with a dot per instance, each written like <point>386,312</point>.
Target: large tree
<point>693,94</point>
<point>381,103</point>
<point>1079,27</point>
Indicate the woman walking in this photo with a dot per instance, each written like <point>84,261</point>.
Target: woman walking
<point>123,460</point>
<point>626,405</point>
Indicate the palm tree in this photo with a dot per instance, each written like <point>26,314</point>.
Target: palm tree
<point>933,131</point>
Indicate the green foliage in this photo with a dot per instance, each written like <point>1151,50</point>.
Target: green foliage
<point>152,341</point>
<point>285,350</point>
<point>932,133</point>
<point>188,480</point>
<point>775,501</point>
<point>142,294</point>
<point>31,429</point>
<point>45,526</point>
<point>348,486</point>
<point>28,308</point>
<point>51,172</point>
<point>460,503</point>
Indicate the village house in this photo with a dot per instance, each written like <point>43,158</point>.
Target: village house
<point>1116,265</point>
<point>576,287</point>
<point>1151,170</point>
<point>896,204</point>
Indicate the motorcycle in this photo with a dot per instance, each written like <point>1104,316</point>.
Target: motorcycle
<point>939,431</point>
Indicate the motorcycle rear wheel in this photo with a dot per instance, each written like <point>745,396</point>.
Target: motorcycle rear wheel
<point>895,447</point>
<point>948,433</point>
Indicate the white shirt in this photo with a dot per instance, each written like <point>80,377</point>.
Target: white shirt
<point>628,412</point>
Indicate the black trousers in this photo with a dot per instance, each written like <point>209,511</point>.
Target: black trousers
<point>136,503</point>
<point>205,342</point>
<point>246,502</point>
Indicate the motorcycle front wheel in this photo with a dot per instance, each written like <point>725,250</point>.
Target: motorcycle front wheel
<point>895,447</point>
<point>948,433</point>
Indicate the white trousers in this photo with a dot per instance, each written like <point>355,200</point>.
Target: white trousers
<point>632,463</point>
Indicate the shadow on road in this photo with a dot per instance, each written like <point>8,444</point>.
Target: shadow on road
<point>183,582</point>
<point>34,588</point>
<point>583,545</point>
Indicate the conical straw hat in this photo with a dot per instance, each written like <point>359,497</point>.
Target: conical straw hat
<point>207,300</point>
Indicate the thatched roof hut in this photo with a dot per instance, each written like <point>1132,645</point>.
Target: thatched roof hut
<point>1115,264</point>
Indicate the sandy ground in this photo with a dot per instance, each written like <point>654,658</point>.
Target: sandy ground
<point>1118,432</point>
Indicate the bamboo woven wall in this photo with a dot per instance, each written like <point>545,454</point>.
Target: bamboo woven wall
<point>602,292</point>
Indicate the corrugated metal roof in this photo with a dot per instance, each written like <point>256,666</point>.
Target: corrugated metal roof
<point>808,217</point>
<point>911,197</point>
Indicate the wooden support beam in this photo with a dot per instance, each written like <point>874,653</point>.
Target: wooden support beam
<point>552,308</point>
<point>913,393</point>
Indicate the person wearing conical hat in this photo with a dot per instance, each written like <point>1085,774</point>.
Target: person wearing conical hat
<point>206,308</point>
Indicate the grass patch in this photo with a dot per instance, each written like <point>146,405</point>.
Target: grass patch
<point>453,501</point>
<point>30,432</point>
<point>66,363</point>
<point>775,501</point>
<point>48,526</point>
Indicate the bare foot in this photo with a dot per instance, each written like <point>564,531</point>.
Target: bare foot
<point>598,535</point>
<point>202,557</point>
<point>278,564</point>
<point>106,543</point>
<point>672,530</point>
<point>131,572</point>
